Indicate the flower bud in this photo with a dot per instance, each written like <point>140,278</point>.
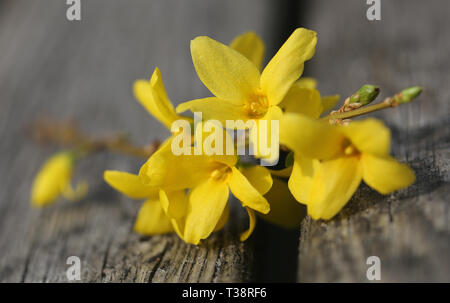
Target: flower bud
<point>408,94</point>
<point>53,178</point>
<point>366,94</point>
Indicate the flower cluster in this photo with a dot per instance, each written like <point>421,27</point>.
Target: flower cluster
<point>328,156</point>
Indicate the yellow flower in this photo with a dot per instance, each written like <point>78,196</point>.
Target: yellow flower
<point>241,91</point>
<point>209,180</point>
<point>53,180</point>
<point>152,94</point>
<point>330,162</point>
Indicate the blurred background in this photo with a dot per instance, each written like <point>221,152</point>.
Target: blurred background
<point>84,70</point>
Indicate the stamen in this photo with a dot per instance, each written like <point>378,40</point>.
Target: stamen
<point>257,106</point>
<point>348,148</point>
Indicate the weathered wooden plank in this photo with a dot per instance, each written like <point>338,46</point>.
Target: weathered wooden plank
<point>85,70</point>
<point>409,230</point>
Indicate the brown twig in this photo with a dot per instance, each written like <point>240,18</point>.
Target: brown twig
<point>67,133</point>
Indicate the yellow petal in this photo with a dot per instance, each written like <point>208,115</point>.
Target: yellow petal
<point>214,108</point>
<point>246,193</point>
<point>169,172</point>
<point>285,211</point>
<point>153,97</point>
<point>334,183</point>
<point>53,179</point>
<point>310,138</point>
<point>302,176</point>
<point>129,184</point>
<point>252,223</point>
<point>152,220</point>
<point>178,226</point>
<point>329,102</point>
<point>306,82</point>
<point>370,136</point>
<point>385,174</point>
<point>287,64</point>
<point>174,203</point>
<point>77,193</point>
<point>265,136</point>
<point>259,177</point>
<point>223,219</point>
<point>225,72</point>
<point>302,100</point>
<point>207,203</point>
<point>251,46</point>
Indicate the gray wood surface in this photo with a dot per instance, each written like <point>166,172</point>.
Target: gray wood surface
<point>85,70</point>
<point>408,230</point>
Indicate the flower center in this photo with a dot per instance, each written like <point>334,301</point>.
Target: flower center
<point>349,149</point>
<point>257,105</point>
<point>220,174</point>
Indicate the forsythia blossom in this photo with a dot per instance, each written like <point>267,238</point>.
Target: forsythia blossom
<point>53,180</point>
<point>330,162</point>
<point>208,180</point>
<point>241,91</point>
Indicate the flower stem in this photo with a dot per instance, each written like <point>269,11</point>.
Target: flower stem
<point>68,134</point>
<point>388,102</point>
<point>367,94</point>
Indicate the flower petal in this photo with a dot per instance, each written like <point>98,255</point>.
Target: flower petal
<point>306,82</point>
<point>264,137</point>
<point>223,219</point>
<point>77,193</point>
<point>53,178</point>
<point>385,174</point>
<point>178,226</point>
<point>328,102</point>
<point>370,136</point>
<point>334,183</point>
<point>259,177</point>
<point>310,138</point>
<point>152,220</point>
<point>207,203</point>
<point>285,211</point>
<point>214,108</point>
<point>287,64</point>
<point>170,172</point>
<point>251,46</point>
<point>174,203</point>
<point>246,193</point>
<point>224,71</point>
<point>252,223</point>
<point>301,100</point>
<point>129,184</point>
<point>153,97</point>
<point>302,176</point>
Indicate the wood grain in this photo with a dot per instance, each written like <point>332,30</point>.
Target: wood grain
<point>84,70</point>
<point>408,230</point>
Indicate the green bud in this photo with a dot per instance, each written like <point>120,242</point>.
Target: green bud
<point>408,94</point>
<point>289,159</point>
<point>366,94</point>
